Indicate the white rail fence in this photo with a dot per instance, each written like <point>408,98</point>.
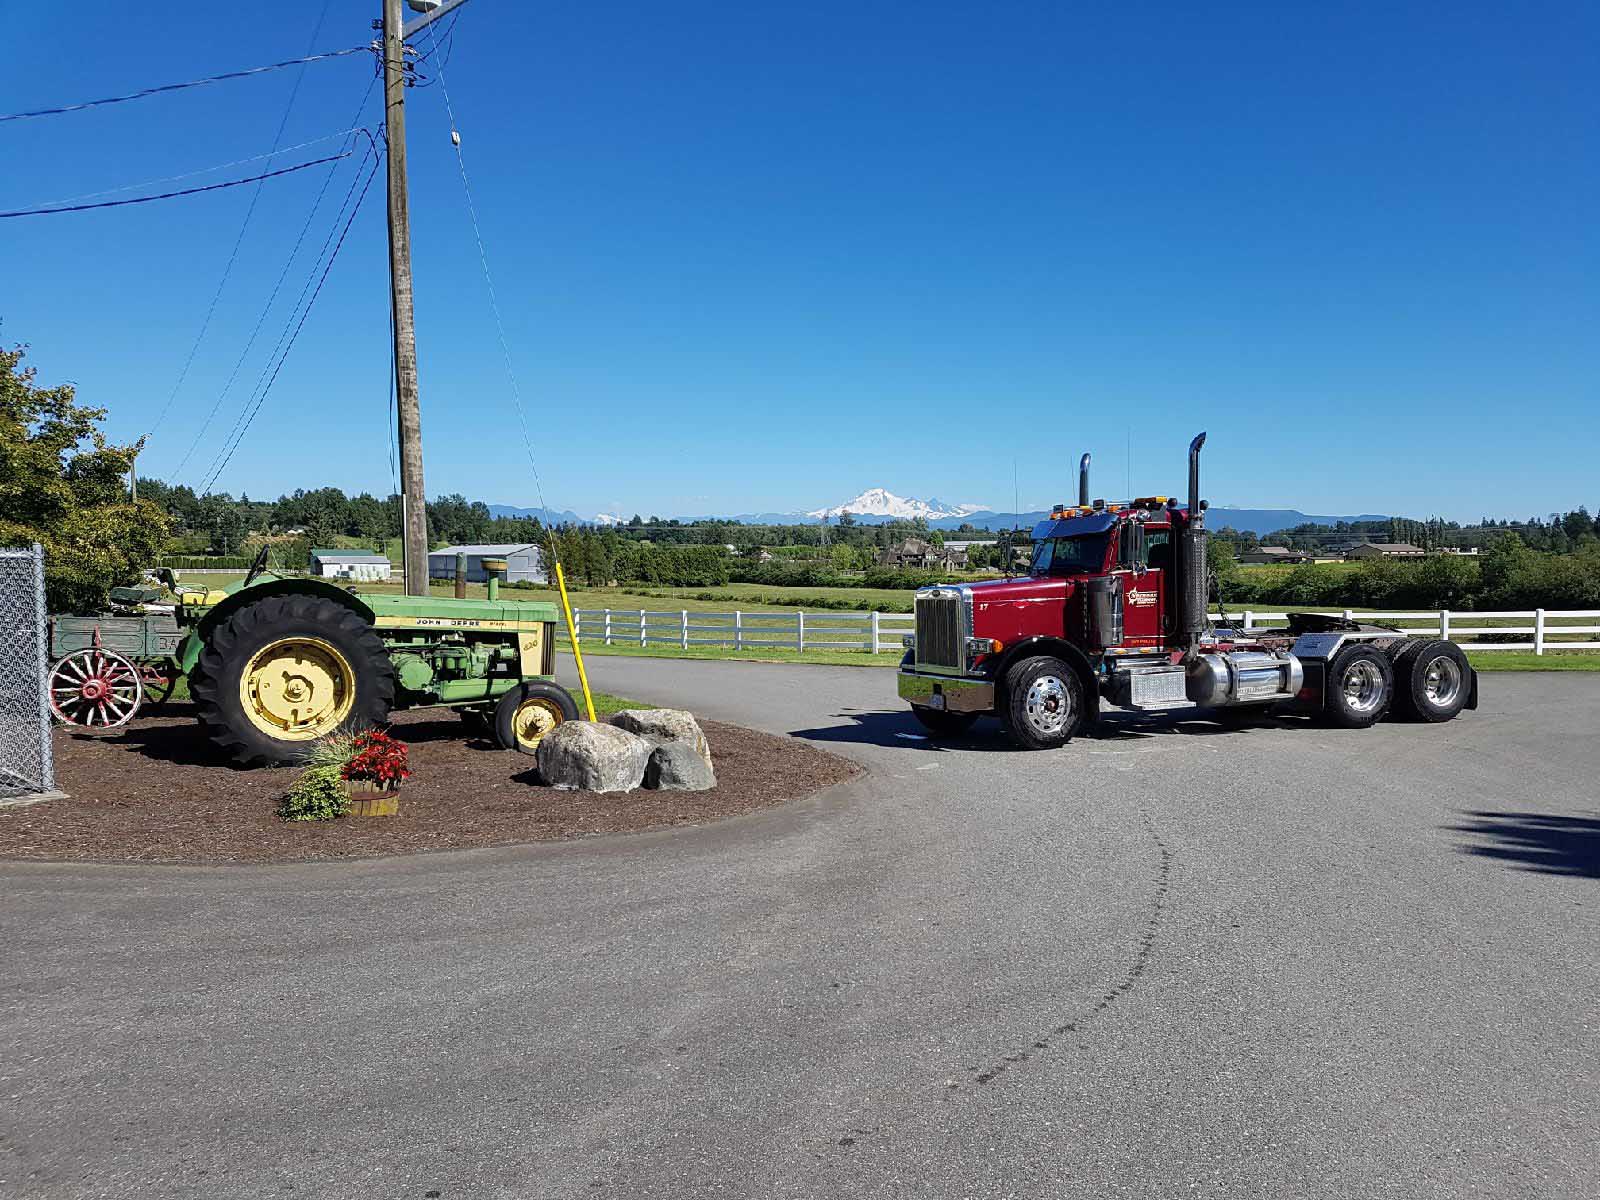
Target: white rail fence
<point>1536,629</point>
<point>869,632</point>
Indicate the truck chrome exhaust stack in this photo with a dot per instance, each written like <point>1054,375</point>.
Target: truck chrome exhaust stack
<point>1194,581</point>
<point>1194,476</point>
<point>1083,481</point>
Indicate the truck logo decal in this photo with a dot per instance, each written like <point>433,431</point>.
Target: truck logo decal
<point>1142,599</point>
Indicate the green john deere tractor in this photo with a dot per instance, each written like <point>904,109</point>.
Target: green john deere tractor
<point>275,663</point>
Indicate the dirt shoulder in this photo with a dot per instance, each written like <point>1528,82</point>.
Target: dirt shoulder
<point>153,792</point>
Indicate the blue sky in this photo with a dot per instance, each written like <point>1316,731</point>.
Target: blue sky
<point>760,257</point>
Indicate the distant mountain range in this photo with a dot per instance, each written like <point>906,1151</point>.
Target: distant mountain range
<point>876,506</point>
<point>547,516</point>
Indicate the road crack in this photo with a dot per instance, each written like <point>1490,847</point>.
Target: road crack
<point>1085,1017</point>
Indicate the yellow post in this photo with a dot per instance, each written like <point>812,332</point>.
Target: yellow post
<point>572,636</point>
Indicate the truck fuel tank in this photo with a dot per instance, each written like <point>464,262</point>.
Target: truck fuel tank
<point>1242,677</point>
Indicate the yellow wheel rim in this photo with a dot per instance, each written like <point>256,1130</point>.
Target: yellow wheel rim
<point>297,689</point>
<point>533,719</point>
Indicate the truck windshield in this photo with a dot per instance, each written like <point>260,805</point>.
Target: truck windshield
<point>1070,556</point>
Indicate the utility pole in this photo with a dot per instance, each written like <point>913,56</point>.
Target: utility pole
<point>409,404</point>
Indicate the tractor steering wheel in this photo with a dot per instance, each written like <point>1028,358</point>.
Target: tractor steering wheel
<point>257,567</point>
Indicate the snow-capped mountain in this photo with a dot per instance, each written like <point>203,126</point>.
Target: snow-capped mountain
<point>881,502</point>
<point>610,519</point>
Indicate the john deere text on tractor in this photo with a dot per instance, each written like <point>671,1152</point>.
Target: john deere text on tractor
<point>1115,605</point>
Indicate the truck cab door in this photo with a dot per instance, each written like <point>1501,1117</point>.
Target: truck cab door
<point>1142,555</point>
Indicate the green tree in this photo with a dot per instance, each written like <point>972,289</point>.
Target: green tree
<point>64,486</point>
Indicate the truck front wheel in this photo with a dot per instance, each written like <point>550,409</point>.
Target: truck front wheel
<point>1044,703</point>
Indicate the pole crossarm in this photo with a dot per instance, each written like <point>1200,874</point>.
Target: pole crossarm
<point>418,24</point>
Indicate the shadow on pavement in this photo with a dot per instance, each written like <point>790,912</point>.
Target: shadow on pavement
<point>1543,842</point>
<point>897,727</point>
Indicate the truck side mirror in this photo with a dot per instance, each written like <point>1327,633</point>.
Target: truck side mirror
<point>1132,547</point>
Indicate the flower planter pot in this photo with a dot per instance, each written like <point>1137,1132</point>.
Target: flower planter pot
<point>372,799</point>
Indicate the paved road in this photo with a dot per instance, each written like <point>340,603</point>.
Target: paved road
<point>1168,961</point>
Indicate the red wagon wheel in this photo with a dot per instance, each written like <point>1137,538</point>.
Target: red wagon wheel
<point>95,688</point>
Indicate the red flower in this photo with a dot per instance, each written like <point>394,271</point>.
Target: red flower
<point>378,758</point>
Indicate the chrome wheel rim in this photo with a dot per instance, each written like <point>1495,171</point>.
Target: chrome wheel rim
<point>1441,681</point>
<point>1047,705</point>
<point>1363,686</point>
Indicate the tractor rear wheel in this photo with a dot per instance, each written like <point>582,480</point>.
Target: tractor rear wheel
<point>529,711</point>
<point>280,673</point>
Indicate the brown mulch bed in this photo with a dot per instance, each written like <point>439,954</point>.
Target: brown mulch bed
<point>153,791</point>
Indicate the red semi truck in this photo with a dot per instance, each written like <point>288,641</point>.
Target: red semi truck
<point>1116,605</point>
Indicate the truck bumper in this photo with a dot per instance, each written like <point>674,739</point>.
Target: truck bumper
<point>952,693</point>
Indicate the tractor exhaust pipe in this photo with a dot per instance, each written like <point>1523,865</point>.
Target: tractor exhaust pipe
<point>1083,481</point>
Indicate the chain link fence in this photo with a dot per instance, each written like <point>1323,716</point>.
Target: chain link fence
<point>27,766</point>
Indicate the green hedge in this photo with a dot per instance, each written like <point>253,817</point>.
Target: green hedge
<point>817,575</point>
<point>1507,575</point>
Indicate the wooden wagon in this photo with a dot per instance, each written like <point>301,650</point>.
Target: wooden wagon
<point>104,667</point>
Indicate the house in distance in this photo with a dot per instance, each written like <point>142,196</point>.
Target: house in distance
<point>350,564</point>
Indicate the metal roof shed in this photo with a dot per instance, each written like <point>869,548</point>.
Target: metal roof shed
<point>524,563</point>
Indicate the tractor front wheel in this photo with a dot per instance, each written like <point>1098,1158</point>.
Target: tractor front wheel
<point>282,672</point>
<point>528,712</point>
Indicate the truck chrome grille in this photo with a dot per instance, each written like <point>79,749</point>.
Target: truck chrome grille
<point>941,633</point>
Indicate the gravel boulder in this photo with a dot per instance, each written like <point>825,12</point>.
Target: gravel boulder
<point>658,726</point>
<point>676,767</point>
<point>592,757</point>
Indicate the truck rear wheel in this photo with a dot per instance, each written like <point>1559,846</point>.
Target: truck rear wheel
<point>943,724</point>
<point>1359,687</point>
<point>1432,680</point>
<point>282,672</point>
<point>1044,703</point>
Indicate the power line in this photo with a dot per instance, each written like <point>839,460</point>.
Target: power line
<point>283,274</point>
<point>488,279</point>
<point>212,478</point>
<point>283,337</point>
<point>210,187</point>
<point>178,87</point>
<point>130,187</point>
<point>244,227</point>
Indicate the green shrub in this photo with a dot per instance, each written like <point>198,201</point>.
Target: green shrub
<point>318,795</point>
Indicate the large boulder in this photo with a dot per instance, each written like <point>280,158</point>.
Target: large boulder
<point>592,757</point>
<point>675,767</point>
<point>659,726</point>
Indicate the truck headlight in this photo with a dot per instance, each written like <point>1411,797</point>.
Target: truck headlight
<point>908,640</point>
<point>977,647</point>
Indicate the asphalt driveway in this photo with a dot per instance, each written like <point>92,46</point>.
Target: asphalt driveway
<point>1168,960</point>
